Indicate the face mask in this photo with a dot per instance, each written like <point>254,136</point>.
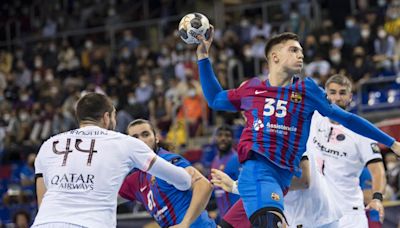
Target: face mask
<point>38,63</point>
<point>49,77</point>
<point>131,100</point>
<point>365,33</point>
<point>335,58</point>
<point>6,117</point>
<point>244,23</point>
<point>294,16</point>
<point>142,84</point>
<point>23,116</point>
<point>381,34</point>
<point>88,44</point>
<point>191,93</point>
<point>24,97</point>
<point>36,77</point>
<point>159,82</point>
<point>337,42</point>
<point>349,23</point>
<point>52,47</point>
<point>126,54</point>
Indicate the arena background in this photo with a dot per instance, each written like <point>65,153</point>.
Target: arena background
<point>52,51</point>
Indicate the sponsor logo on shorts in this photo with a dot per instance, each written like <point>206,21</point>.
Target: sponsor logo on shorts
<point>275,196</point>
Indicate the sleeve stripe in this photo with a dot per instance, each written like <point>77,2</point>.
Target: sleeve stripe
<point>374,161</point>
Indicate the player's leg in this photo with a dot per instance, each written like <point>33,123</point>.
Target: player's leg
<point>261,185</point>
<point>353,220</point>
<point>235,217</point>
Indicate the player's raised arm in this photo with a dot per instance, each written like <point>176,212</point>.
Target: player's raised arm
<point>354,122</point>
<point>216,97</point>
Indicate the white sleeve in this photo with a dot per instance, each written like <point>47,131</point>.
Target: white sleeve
<point>142,156</point>
<point>369,149</point>
<point>177,176</point>
<point>140,153</point>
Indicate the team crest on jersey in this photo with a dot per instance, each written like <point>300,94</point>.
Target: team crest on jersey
<point>275,196</point>
<point>375,148</point>
<point>152,180</point>
<point>296,97</point>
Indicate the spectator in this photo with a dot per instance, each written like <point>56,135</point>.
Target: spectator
<point>21,219</point>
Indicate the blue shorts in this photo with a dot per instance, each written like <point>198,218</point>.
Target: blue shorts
<point>262,184</point>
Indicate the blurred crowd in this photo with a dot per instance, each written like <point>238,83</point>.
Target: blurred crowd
<point>41,81</point>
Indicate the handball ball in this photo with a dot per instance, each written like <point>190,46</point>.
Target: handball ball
<point>193,24</point>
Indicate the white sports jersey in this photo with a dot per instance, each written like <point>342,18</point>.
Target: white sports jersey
<point>341,156</point>
<point>83,170</point>
<point>312,207</point>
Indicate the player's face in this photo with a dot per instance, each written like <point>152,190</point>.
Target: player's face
<point>224,141</point>
<point>144,133</point>
<point>339,95</point>
<point>290,56</point>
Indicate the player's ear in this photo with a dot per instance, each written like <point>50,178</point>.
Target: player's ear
<point>106,119</point>
<point>274,57</point>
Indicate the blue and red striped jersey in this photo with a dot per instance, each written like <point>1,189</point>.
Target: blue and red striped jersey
<point>278,118</point>
<point>228,163</point>
<point>166,204</point>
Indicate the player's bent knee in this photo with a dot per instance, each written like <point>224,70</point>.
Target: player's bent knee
<point>267,219</point>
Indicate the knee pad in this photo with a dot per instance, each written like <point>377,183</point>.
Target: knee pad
<point>225,224</point>
<point>266,219</point>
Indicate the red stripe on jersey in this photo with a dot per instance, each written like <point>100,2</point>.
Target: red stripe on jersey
<point>299,127</point>
<point>169,205</point>
<point>288,122</point>
<point>273,135</point>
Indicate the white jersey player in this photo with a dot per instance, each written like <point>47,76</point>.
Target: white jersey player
<point>341,156</point>
<point>312,207</point>
<point>79,172</point>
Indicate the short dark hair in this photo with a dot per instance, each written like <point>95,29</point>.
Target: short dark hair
<point>139,122</point>
<point>92,106</point>
<point>224,127</point>
<point>340,80</point>
<point>161,143</point>
<point>277,39</point>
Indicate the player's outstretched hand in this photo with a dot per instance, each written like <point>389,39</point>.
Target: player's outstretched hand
<point>204,46</point>
<point>222,180</point>
<point>396,147</point>
<point>376,204</point>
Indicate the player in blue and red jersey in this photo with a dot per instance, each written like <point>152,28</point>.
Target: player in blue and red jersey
<point>278,114</point>
<point>168,205</point>
<point>227,161</point>
<point>366,187</point>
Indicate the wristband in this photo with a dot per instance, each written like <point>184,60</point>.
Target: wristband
<point>235,189</point>
<point>378,196</point>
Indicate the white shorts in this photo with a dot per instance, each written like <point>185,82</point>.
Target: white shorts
<point>353,220</point>
<point>57,225</point>
<point>334,224</point>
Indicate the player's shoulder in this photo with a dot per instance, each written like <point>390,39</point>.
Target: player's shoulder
<point>172,157</point>
<point>255,81</point>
